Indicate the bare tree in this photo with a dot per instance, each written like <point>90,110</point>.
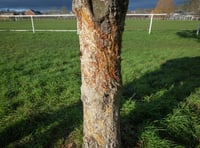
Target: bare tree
<point>64,10</point>
<point>53,10</point>
<point>100,25</point>
<point>193,5</point>
<point>165,6</point>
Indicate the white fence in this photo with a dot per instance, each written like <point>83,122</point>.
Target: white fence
<point>32,17</point>
<point>151,16</point>
<point>34,29</point>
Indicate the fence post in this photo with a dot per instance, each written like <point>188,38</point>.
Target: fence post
<point>32,22</point>
<point>77,28</point>
<point>198,29</point>
<point>150,25</point>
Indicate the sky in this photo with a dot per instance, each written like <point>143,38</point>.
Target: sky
<point>48,4</point>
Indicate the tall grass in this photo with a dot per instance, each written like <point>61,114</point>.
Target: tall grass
<point>40,88</point>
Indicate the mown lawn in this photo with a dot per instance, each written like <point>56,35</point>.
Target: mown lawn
<point>40,88</point>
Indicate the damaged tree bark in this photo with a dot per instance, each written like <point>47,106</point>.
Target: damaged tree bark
<point>100,27</point>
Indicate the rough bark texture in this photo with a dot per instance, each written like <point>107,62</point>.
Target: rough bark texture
<point>100,25</point>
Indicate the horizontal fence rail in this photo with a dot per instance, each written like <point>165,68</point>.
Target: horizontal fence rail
<point>43,15</point>
<point>34,28</point>
<point>33,24</point>
<point>63,16</point>
<point>161,14</point>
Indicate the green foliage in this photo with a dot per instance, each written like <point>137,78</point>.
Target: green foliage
<point>40,88</point>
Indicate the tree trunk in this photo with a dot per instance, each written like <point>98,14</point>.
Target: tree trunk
<point>100,27</point>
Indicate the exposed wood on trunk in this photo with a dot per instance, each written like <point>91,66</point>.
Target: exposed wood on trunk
<point>100,25</point>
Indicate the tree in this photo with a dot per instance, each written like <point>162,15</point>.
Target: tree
<point>100,25</point>
<point>165,6</point>
<point>64,10</point>
<point>53,10</point>
<point>193,5</point>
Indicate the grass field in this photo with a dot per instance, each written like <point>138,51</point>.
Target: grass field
<point>40,87</point>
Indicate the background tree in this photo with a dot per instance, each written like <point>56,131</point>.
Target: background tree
<point>53,10</point>
<point>164,6</point>
<point>193,5</point>
<point>64,10</point>
<point>100,25</point>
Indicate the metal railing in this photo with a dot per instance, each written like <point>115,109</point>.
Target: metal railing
<point>34,29</point>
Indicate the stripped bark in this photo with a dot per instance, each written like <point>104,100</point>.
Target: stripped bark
<point>100,26</point>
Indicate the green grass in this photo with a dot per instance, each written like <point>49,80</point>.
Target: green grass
<point>39,23</point>
<point>40,80</point>
<point>164,25</point>
<point>40,87</point>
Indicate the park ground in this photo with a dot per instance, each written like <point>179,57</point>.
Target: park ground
<point>40,86</point>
